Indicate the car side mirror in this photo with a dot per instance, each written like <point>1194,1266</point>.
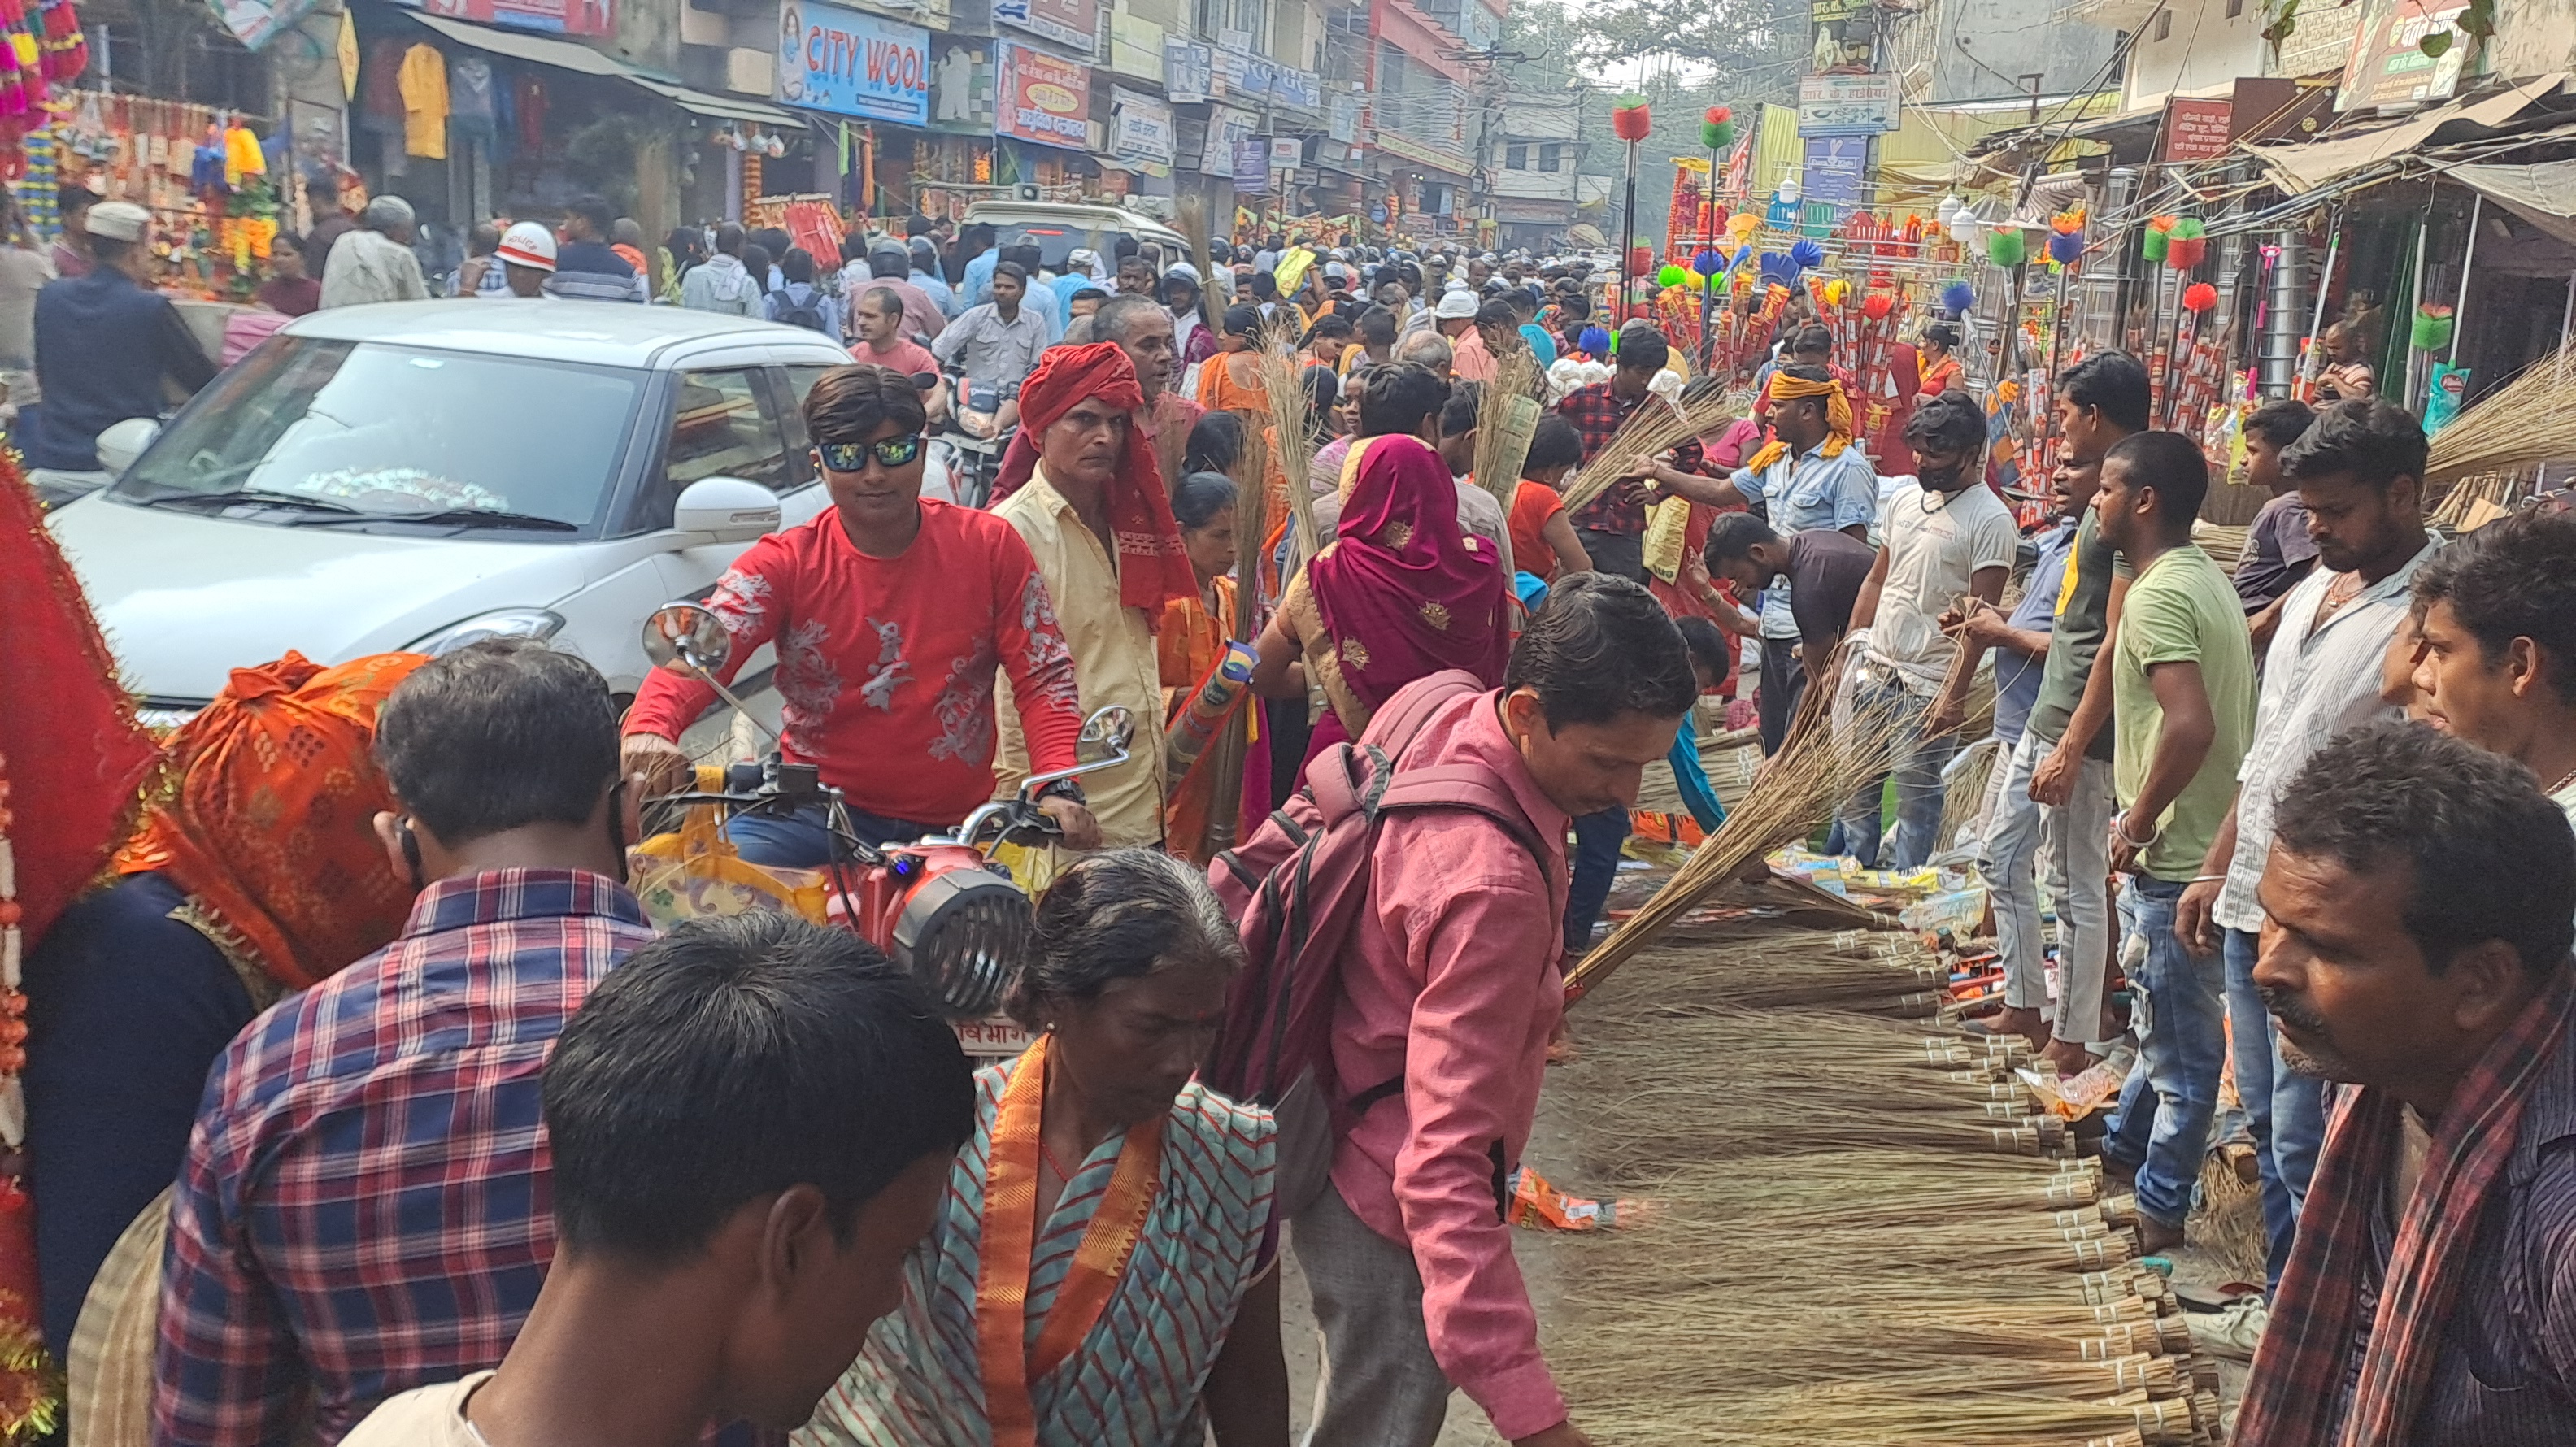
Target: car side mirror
<point>725,510</point>
<point>120,444</point>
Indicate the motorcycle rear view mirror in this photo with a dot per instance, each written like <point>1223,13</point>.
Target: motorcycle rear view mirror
<point>687,639</point>
<point>1106,737</point>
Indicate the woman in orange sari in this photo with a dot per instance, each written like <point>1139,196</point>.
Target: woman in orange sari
<point>1940,370</point>
<point>1195,629</point>
<point>1230,381</point>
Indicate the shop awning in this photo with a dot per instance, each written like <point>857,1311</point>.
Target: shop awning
<point>2543,194</point>
<point>566,55</point>
<point>2298,169</point>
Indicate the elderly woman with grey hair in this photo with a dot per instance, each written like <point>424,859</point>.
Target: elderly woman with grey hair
<point>375,262</point>
<point>1104,1187</point>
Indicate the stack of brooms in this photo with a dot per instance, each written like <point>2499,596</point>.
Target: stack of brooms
<point>1863,1228</point>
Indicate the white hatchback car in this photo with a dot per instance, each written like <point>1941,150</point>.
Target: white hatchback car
<point>418,475</point>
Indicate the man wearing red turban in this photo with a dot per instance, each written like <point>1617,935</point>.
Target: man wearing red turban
<point>1096,517</point>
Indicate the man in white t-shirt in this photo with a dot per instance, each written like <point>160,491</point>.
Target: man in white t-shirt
<point>1946,536</point>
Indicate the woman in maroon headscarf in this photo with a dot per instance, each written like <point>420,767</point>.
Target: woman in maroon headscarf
<point>1400,593</point>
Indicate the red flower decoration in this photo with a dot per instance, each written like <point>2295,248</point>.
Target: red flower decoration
<point>1719,115</point>
<point>1877,305</point>
<point>2200,296</point>
<point>1629,118</point>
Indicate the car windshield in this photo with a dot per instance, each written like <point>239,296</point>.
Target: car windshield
<point>1056,242</point>
<point>391,432</point>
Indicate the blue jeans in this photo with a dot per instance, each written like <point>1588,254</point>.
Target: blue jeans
<point>1597,838</point>
<point>2162,1127</point>
<point>802,841</point>
<point>1919,786</point>
<point>2285,1110</point>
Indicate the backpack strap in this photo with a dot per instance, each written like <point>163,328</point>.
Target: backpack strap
<point>1394,727</point>
<point>1463,786</point>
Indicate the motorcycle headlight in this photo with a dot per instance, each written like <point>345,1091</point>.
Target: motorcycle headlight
<point>537,623</point>
<point>963,934</point>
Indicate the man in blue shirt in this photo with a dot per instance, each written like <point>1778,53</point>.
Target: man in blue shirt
<point>977,242</point>
<point>587,268</point>
<point>2012,831</point>
<point>925,274</point>
<point>104,342</point>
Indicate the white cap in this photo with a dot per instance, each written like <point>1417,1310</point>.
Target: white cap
<point>1456,304</point>
<point>527,243</point>
<point>117,221</point>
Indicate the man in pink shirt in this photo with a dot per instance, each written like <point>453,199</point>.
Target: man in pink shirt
<point>1442,1030</point>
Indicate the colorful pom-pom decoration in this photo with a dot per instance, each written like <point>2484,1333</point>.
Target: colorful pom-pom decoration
<point>1641,257</point>
<point>1717,131</point>
<point>1958,298</point>
<point>2432,329</point>
<point>2004,246</point>
<point>2190,244</point>
<point>2159,238</point>
<point>1670,276</point>
<point>1708,262</point>
<point>1836,291</point>
<point>2066,247</point>
<point>1629,118</point>
<point>2200,296</point>
<point>1807,254</point>
<point>1595,340</point>
<point>1777,269</point>
<point>1877,305</point>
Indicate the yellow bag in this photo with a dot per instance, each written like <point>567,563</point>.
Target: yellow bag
<point>698,874</point>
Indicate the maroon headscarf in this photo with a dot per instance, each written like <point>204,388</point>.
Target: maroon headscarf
<point>1400,592</point>
<point>1153,569</point>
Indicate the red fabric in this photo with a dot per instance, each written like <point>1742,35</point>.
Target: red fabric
<point>1904,368</point>
<point>1152,568</point>
<point>70,750</point>
<point>885,665</point>
<point>1401,584</point>
<point>1532,506</point>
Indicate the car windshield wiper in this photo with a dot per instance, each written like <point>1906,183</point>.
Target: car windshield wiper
<point>253,495</point>
<point>478,517</point>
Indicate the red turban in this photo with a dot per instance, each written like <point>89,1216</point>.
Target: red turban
<point>1152,568</point>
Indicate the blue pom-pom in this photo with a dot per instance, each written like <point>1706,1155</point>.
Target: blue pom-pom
<point>2066,247</point>
<point>1708,263</point>
<point>1595,340</point>
<point>1807,254</point>
<point>1777,269</point>
<point>1958,298</point>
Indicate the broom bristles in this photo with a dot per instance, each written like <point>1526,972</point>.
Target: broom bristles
<point>1656,427</point>
<point>2527,421</point>
<point>1292,417</point>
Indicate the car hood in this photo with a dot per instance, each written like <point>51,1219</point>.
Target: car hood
<point>185,599</point>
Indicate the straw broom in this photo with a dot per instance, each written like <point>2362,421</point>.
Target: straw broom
<point>1507,417</point>
<point>1655,428</point>
<point>1292,418</point>
<point>2525,422</point>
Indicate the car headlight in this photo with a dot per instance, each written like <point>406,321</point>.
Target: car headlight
<point>538,623</point>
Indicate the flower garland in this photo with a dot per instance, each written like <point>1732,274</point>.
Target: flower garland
<point>30,1387</point>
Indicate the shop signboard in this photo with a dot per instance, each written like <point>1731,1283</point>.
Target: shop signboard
<point>1140,131</point>
<point>1342,119</point>
<point>1136,47</point>
<point>1847,105</point>
<point>1287,153</point>
<point>851,63</point>
<point>1252,166</point>
<point>1839,40</point>
<point>961,85</point>
<point>1227,128</point>
<point>2388,65</point>
<point>1300,88</point>
<point>255,22</point>
<point>1042,98</point>
<point>1188,71</point>
<point>1832,175</point>
<point>567,17</point>
<point>1073,24</point>
<point>2196,129</point>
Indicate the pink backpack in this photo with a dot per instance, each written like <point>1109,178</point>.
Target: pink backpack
<point>1296,889</point>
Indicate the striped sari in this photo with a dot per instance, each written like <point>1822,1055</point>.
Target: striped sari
<point>1135,1380</point>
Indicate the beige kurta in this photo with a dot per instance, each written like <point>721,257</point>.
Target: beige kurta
<point>1113,660</point>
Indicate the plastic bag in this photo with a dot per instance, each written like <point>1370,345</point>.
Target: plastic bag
<point>697,873</point>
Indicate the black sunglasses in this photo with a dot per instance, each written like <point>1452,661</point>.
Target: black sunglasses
<point>853,456</point>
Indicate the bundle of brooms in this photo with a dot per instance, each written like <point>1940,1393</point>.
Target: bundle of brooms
<point>1655,428</point>
<point>1830,1262</point>
<point>2527,421</point>
<point>1507,417</point>
<point>1292,424</point>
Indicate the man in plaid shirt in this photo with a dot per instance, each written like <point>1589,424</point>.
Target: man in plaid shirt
<point>1612,527</point>
<point>365,1205</point>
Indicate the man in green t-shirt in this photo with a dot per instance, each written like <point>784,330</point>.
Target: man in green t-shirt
<point>2182,702</point>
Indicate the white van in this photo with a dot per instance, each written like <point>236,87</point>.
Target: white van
<point>1057,228</point>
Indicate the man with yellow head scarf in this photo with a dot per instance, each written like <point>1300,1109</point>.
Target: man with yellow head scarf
<point>1810,475</point>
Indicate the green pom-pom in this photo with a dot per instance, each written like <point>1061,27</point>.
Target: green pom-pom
<point>2189,227</point>
<point>2004,246</point>
<point>1670,276</point>
<point>2155,244</point>
<point>1717,135</point>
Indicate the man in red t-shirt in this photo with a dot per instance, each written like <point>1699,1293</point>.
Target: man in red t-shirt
<point>891,615</point>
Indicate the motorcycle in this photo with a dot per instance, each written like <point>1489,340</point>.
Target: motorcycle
<point>942,907</point>
<point>970,461</point>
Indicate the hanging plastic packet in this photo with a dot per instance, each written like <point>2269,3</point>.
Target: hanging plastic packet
<point>1543,1207</point>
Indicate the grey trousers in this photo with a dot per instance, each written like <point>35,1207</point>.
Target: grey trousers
<point>1380,1386</point>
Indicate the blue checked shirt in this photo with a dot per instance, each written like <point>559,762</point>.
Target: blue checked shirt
<point>365,1207</point>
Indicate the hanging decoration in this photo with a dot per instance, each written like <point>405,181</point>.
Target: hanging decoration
<point>2189,245</point>
<point>2004,246</point>
<point>2066,237</point>
<point>1958,298</point>
<point>2158,239</point>
<point>2432,328</point>
<point>2198,297</point>
<point>1717,128</point>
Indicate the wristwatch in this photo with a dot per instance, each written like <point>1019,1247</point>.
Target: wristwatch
<point>1064,789</point>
